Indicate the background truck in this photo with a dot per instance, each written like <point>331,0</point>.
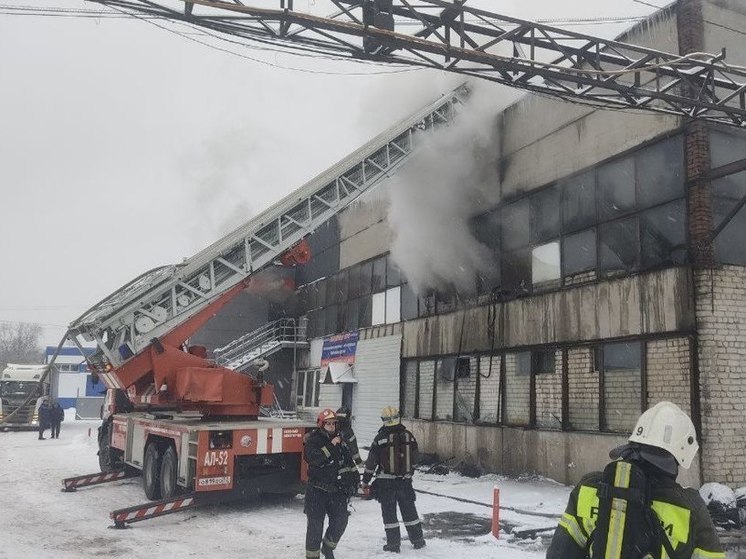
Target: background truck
<point>20,390</point>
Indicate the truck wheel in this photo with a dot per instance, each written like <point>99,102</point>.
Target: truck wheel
<point>169,473</point>
<point>151,472</point>
<point>109,459</point>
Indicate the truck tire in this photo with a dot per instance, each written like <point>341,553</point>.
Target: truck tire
<point>169,473</point>
<point>151,471</point>
<point>109,459</point>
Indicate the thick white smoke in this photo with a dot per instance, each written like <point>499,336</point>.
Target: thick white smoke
<point>453,176</point>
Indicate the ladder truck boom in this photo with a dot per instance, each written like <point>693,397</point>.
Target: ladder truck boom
<point>455,37</point>
<point>170,303</point>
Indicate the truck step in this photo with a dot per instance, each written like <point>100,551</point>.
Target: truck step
<point>152,509</point>
<point>72,483</point>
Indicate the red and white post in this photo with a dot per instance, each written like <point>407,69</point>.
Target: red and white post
<point>496,512</point>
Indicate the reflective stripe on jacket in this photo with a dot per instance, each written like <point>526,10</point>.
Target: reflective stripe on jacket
<point>682,513</point>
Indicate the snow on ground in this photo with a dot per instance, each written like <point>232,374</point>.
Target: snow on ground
<point>38,520</point>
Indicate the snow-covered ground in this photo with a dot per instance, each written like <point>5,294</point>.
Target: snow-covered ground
<point>39,521</point>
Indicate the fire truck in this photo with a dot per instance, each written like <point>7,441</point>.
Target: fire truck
<point>192,426</point>
<point>196,429</point>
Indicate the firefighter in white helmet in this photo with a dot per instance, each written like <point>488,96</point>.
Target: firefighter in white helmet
<point>391,460</point>
<point>635,508</point>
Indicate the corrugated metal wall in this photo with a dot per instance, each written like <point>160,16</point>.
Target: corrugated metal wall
<point>377,373</point>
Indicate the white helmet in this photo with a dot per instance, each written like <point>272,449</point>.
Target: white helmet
<point>665,426</point>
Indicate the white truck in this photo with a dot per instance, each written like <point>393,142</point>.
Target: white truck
<point>20,393</point>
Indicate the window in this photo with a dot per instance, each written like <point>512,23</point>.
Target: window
<point>517,388</point>
<point>378,308</point>
<point>660,172</point>
<point>622,385</point>
<point>409,388</point>
<point>379,274</point>
<point>726,148</point>
<point>544,362</point>
<point>393,274</point>
<point>342,281</point>
<point>307,392</point>
<point>619,246</point>
<point>354,283</point>
<point>486,229</point>
<point>545,214</point>
<point>545,263</point>
<point>516,270</point>
<point>515,225</point>
<point>352,315</point>
<point>579,252</point>
<point>408,302</point>
<point>579,202</point>
<point>616,183</point>
<point>366,274</point>
<point>727,193</point>
<point>663,231</point>
<point>386,307</point>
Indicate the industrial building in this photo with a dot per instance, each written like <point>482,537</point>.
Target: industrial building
<point>610,276</point>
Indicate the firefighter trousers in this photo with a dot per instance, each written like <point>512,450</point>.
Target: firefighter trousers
<point>320,504</point>
<point>399,492</point>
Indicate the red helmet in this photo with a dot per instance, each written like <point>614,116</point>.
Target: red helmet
<point>325,415</point>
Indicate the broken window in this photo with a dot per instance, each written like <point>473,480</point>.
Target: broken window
<point>486,230</point>
<point>579,252</point>
<point>444,389</point>
<point>660,172</point>
<point>393,274</point>
<point>545,214</point>
<point>663,231</point>
<point>408,302</point>
<point>379,274</point>
<point>616,183</point>
<point>516,271</point>
<point>427,304</point>
<point>515,225</point>
<point>579,202</point>
<point>489,388</point>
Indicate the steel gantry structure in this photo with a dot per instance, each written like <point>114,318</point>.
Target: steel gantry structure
<point>452,36</point>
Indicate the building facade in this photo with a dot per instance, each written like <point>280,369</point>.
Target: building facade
<point>616,279</point>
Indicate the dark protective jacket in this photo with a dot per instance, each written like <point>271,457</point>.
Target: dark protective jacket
<point>330,466</point>
<point>57,414</point>
<point>682,513</point>
<point>348,435</point>
<point>45,415</point>
<point>392,455</point>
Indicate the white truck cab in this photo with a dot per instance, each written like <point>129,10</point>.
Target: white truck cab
<point>17,384</point>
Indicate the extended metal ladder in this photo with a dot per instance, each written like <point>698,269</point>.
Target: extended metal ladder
<point>262,342</point>
<point>123,324</point>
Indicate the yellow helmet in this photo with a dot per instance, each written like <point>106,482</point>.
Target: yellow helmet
<point>390,416</point>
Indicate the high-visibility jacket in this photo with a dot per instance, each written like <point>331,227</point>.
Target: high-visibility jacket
<point>682,512</point>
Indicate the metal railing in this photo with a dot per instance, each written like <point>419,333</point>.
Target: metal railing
<point>265,340</point>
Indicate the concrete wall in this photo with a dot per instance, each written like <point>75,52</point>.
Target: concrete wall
<point>364,231</point>
<point>724,22</point>
<point>544,139</point>
<point>649,303</point>
<point>565,457</point>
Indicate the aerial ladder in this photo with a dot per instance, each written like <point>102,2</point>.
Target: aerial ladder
<point>190,425</point>
<point>190,422</point>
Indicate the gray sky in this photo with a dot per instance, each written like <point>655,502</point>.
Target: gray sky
<point>124,146</point>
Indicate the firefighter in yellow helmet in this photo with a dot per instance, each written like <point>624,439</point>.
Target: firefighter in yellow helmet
<point>391,460</point>
<point>635,508</point>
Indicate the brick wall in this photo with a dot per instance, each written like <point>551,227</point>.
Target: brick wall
<point>489,388</point>
<point>466,391</point>
<point>669,372</point>
<point>517,393</point>
<point>582,388</point>
<point>721,319</point>
<point>427,383</point>
<point>410,389</point>
<point>622,399</point>
<point>549,396</point>
<point>443,396</point>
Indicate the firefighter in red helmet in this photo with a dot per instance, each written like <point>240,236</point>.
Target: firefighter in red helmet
<point>330,468</point>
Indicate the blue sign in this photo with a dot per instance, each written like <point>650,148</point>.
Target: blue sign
<point>340,348</point>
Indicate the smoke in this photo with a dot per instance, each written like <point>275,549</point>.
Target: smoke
<point>452,177</point>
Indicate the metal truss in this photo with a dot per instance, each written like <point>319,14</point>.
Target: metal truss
<point>155,303</point>
<point>451,36</point>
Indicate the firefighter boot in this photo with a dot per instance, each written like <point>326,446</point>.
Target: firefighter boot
<point>391,547</point>
<point>327,551</point>
<point>419,544</point>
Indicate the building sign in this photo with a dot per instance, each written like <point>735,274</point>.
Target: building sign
<point>339,349</point>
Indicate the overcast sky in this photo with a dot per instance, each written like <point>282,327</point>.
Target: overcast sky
<point>124,146</point>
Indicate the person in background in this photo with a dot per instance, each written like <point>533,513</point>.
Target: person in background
<point>391,459</point>
<point>44,416</point>
<point>344,428</point>
<point>56,416</point>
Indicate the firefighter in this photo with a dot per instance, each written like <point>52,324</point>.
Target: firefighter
<point>344,428</point>
<point>391,459</point>
<point>670,522</point>
<point>325,495</point>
